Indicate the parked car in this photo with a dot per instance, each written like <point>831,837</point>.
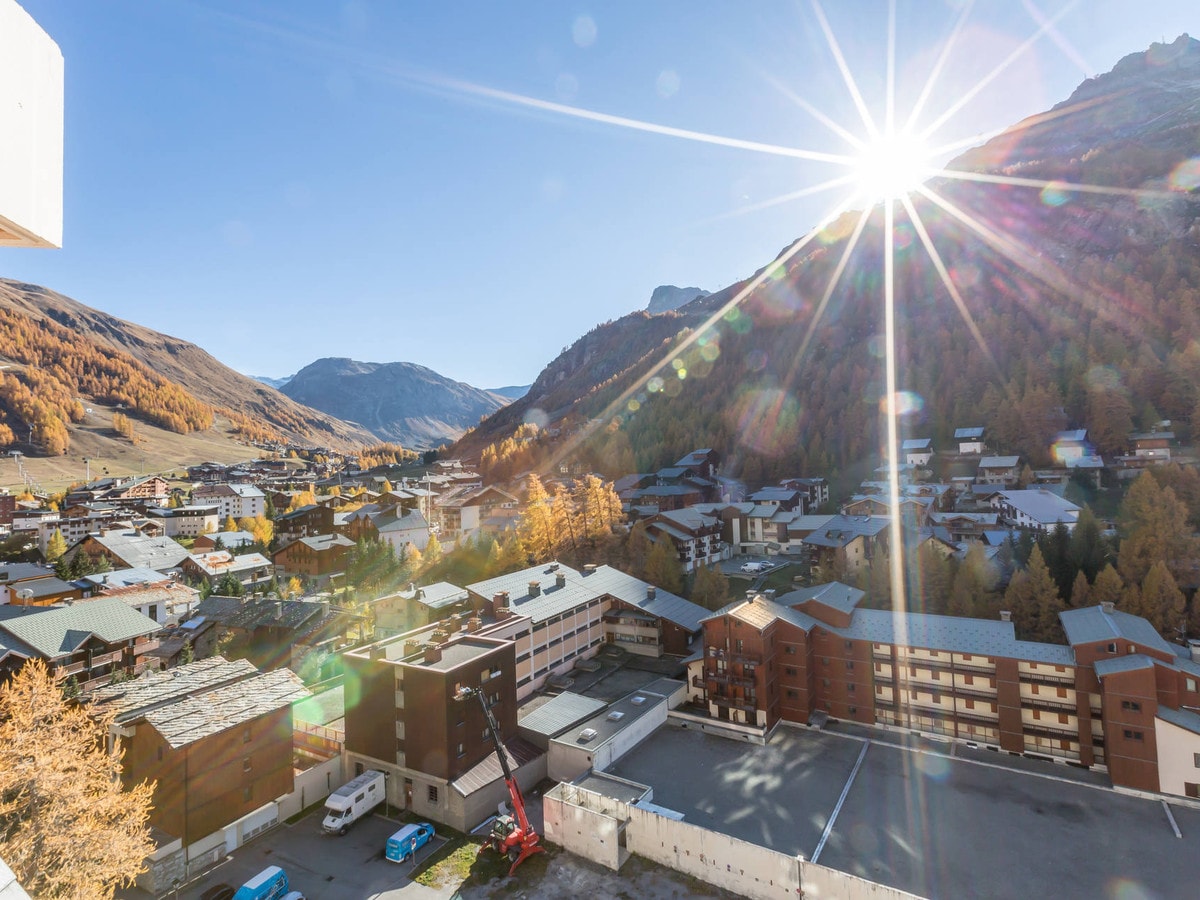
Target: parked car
<point>408,840</point>
<point>753,568</point>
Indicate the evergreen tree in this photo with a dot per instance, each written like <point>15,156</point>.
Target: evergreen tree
<point>1046,600</point>
<point>1056,551</point>
<point>1079,591</point>
<point>663,567</point>
<point>1088,550</point>
<point>1107,588</point>
<point>710,589</point>
<point>637,550</point>
<point>1163,604</point>
<point>1024,549</point>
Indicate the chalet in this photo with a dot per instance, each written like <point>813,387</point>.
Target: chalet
<point>165,601</point>
<point>970,441</point>
<point>404,531</point>
<point>1002,470</point>
<point>816,490</point>
<point>213,736</point>
<point>27,584</point>
<point>914,509</point>
<point>847,544</point>
<point>703,462</point>
<point>917,451</point>
<point>283,632</point>
<point>90,641</point>
<point>318,555</point>
<point>306,521</point>
<point>781,497</point>
<point>215,565</point>
<point>964,526</point>
<point>1071,445</point>
<point>416,607</point>
<point>461,511</point>
<point>1038,510</point>
<point>696,537</point>
<point>1153,446</point>
<point>130,550</point>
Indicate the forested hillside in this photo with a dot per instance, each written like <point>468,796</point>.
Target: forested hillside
<point>1081,303</point>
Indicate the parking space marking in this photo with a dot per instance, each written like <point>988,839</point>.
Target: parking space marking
<point>842,799</point>
<point>1171,819</point>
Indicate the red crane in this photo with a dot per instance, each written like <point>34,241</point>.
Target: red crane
<point>511,837</point>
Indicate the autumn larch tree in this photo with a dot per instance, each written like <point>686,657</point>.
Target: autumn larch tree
<point>663,567</point>
<point>710,589</point>
<point>67,827</point>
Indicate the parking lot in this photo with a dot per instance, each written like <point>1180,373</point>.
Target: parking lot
<point>327,867</point>
<point>924,821</point>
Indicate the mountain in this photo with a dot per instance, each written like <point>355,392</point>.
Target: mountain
<point>74,346</point>
<point>399,401</point>
<point>667,297</point>
<point>1072,242</point>
<point>512,392</point>
<point>276,383</point>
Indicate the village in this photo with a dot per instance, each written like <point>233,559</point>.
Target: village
<point>216,651</point>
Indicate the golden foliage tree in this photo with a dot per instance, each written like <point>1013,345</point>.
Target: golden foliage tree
<point>67,826</point>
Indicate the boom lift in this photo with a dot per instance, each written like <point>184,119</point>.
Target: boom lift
<point>512,837</point>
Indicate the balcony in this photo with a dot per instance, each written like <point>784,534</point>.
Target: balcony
<point>974,692</point>
<point>733,703</point>
<point>1055,678</point>
<point>1062,733</point>
<point>1055,704</point>
<point>981,668</point>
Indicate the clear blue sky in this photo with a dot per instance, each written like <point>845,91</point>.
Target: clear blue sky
<point>283,181</point>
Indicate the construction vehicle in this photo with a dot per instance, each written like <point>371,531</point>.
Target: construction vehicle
<point>511,835</point>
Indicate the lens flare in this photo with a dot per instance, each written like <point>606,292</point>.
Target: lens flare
<point>891,166</point>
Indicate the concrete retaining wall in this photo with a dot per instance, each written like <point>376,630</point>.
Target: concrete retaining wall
<point>606,831</point>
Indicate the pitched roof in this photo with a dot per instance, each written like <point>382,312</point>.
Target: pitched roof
<point>968,434</point>
<point>225,708</point>
<point>761,612</point>
<point>132,699</point>
<point>998,462</point>
<point>833,594</point>
<point>1044,507</point>
<point>59,631</point>
<point>1093,624</point>
<point>1182,718</point>
<point>579,588</point>
<point>1131,662</point>
<point>560,713</point>
<point>519,752</point>
<point>138,551</point>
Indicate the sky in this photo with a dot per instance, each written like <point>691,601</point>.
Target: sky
<point>473,186</point>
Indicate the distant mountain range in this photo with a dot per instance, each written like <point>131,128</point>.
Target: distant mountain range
<point>276,383</point>
<point>399,401</point>
<point>1072,241</point>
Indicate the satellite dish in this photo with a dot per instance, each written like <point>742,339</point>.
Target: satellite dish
<point>24,594</point>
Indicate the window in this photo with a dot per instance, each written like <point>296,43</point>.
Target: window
<point>248,793</point>
<point>792,694</point>
<point>160,754</point>
<point>433,797</point>
<point>849,645</point>
<point>1196,760</point>
<point>849,665</point>
<point>825,682</point>
<point>1191,790</point>
<point>790,671</point>
<point>1112,648</point>
<point>968,680</point>
<point>483,735</point>
<point>246,766</point>
<point>1131,735</point>
<point>791,651</point>
<point>850,689</point>
<point>1131,705</point>
<point>738,642</point>
<point>824,660</point>
<point>246,735</point>
<point>1062,718</point>
<point>462,750</point>
<point>1189,684</point>
<point>970,703</point>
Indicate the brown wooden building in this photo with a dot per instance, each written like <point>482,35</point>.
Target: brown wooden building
<point>319,555</point>
<point>215,736</point>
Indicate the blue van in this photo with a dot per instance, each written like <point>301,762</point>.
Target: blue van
<point>269,884</point>
<point>408,840</point>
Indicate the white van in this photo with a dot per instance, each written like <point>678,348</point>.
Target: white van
<point>353,800</point>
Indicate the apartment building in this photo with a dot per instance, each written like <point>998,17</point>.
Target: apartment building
<point>1117,696</point>
<point>232,500</point>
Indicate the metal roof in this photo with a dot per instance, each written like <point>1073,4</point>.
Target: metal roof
<point>579,588</point>
<point>59,631</point>
<point>761,612</point>
<point>833,594</point>
<point>1117,664</point>
<point>197,717</point>
<point>998,462</point>
<point>1181,717</point>
<point>137,550</point>
<point>560,713</point>
<point>606,726</point>
<point>964,434</point>
<point>519,752</point>
<point>1092,624</point>
<point>1044,507</point>
<point>323,708</point>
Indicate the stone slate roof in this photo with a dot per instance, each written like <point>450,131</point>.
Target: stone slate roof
<point>54,632</point>
<point>132,699</point>
<point>203,715</point>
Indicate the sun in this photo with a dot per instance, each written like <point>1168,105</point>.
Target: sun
<point>891,166</point>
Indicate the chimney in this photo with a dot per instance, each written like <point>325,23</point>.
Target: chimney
<point>279,609</point>
<point>588,569</point>
<point>1005,615</point>
<point>433,652</point>
<point>412,646</point>
<point>651,592</point>
<point>502,613</point>
<point>378,651</point>
<point>439,636</point>
<point>1194,646</point>
<point>750,595</point>
<point>474,624</point>
<point>324,608</point>
<point>412,587</point>
<point>560,580</point>
<point>535,588</point>
<point>499,601</point>
<point>769,594</point>
<point>1106,606</point>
